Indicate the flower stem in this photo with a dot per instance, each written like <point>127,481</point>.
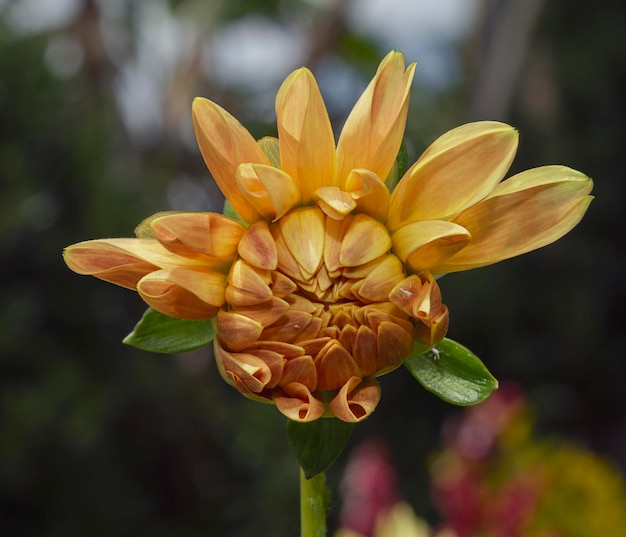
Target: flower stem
<point>313,505</point>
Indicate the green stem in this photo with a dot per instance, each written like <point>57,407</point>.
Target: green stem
<point>313,505</point>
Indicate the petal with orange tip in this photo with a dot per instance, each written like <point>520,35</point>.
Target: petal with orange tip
<point>459,169</point>
<point>297,403</point>
<point>189,234</point>
<point>303,233</point>
<point>183,293</point>
<point>428,243</point>
<point>258,248</point>
<point>237,331</point>
<point>372,134</point>
<point>109,261</point>
<point>269,190</point>
<point>307,145</point>
<point>527,211</point>
<point>365,240</point>
<point>225,144</point>
<point>356,399</point>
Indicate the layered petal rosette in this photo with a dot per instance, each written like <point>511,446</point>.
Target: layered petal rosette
<point>326,281</point>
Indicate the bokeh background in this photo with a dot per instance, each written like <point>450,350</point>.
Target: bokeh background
<point>95,134</point>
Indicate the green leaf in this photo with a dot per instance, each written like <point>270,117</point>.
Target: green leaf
<point>452,372</point>
<point>398,169</point>
<point>156,332</point>
<point>318,443</point>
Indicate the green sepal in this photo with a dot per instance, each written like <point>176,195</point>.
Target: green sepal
<point>318,443</point>
<point>398,169</point>
<point>271,147</point>
<point>231,213</point>
<point>452,372</point>
<point>156,332</point>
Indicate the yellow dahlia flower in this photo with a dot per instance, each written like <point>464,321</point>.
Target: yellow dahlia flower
<point>327,280</point>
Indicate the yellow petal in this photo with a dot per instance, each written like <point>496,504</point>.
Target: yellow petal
<point>459,169</point>
<point>427,244</point>
<point>356,399</point>
<point>257,246</point>
<point>183,293</point>
<point>297,402</point>
<point>372,134</point>
<point>334,202</point>
<point>365,240</point>
<point>369,192</point>
<point>237,331</point>
<point>225,144</point>
<point>303,233</point>
<point>307,145</point>
<point>527,211</point>
<point>335,231</point>
<point>187,234</point>
<point>269,190</point>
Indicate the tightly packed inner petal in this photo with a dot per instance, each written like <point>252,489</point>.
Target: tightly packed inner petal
<point>330,297</point>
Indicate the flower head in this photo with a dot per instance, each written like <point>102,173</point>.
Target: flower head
<point>327,280</point>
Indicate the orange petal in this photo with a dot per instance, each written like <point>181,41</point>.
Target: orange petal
<point>225,144</point>
<point>269,190</point>
<point>427,244</point>
<point>365,351</point>
<point>266,313</point>
<point>112,261</point>
<point>257,246</point>
<point>394,345</point>
<point>303,232</point>
<point>527,211</point>
<point>307,145</point>
<point>187,234</point>
<point>365,240</point>
<point>237,331</point>
<point>334,202</point>
<point>301,370</point>
<point>356,400</point>
<point>281,285</point>
<point>334,366</point>
<point>370,193</point>
<point>247,285</point>
<point>378,283</point>
<point>246,372</point>
<point>459,169</point>
<point>183,293</point>
<point>289,327</point>
<point>298,403</point>
<point>372,134</point>
<point>431,333</point>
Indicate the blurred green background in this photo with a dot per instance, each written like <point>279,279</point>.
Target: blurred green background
<point>95,134</point>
